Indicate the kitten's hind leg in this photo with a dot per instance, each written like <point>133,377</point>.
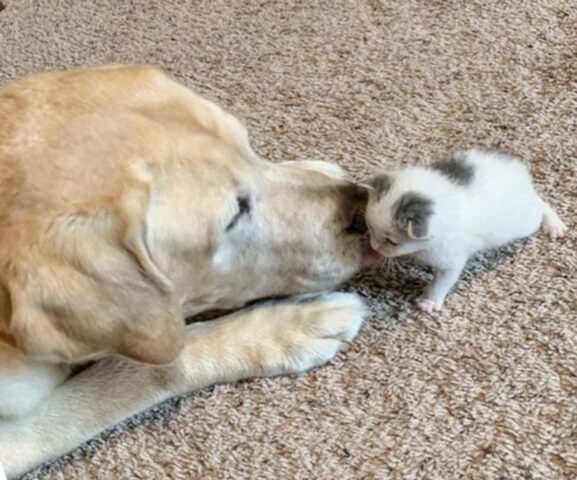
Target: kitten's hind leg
<point>434,296</point>
<point>552,223</point>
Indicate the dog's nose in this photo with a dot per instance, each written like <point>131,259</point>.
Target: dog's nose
<point>356,203</point>
<point>358,223</point>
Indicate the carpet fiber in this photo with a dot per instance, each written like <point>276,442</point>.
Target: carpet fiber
<point>485,390</point>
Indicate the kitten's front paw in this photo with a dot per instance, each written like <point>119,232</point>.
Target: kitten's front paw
<point>552,224</point>
<point>555,228</point>
<point>428,305</point>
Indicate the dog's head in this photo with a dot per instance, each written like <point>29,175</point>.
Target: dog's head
<point>128,201</point>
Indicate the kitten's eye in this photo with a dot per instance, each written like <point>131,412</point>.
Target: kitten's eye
<point>388,241</point>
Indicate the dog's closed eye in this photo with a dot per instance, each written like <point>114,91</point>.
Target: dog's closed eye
<point>244,208</point>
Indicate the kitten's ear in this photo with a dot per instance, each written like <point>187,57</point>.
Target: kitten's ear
<point>380,184</point>
<point>413,213</point>
<point>418,229</point>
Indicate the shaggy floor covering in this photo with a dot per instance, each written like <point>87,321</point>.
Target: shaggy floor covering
<point>485,390</point>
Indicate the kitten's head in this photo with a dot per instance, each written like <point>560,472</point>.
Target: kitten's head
<point>399,217</point>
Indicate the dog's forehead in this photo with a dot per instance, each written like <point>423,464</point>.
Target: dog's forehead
<point>120,127</point>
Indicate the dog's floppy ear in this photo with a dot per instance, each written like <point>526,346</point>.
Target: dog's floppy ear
<point>89,286</point>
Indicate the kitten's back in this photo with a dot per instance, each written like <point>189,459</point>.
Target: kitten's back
<point>480,168</point>
<point>500,199</point>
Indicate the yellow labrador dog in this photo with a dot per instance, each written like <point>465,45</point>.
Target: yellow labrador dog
<point>127,204</point>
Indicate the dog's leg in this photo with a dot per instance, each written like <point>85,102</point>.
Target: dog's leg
<point>272,339</point>
<point>25,383</point>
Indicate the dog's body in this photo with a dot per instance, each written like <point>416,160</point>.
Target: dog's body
<point>129,203</point>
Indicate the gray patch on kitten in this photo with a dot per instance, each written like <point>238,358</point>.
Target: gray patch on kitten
<point>415,208</point>
<point>456,169</point>
<point>381,183</point>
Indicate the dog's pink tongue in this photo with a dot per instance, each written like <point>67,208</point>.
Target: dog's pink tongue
<point>370,257</point>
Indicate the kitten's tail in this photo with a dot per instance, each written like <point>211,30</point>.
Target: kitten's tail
<point>552,223</point>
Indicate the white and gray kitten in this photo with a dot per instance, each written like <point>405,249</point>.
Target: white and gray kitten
<point>444,213</point>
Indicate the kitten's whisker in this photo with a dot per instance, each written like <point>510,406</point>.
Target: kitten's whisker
<point>382,266</point>
<point>386,266</point>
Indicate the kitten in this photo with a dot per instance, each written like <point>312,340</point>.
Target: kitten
<point>444,213</point>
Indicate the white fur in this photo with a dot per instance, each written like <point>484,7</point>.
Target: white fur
<point>25,387</point>
<point>497,207</point>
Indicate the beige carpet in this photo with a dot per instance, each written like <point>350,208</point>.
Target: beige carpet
<point>488,389</point>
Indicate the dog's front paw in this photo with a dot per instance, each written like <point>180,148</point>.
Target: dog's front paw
<point>429,305</point>
<point>309,331</point>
